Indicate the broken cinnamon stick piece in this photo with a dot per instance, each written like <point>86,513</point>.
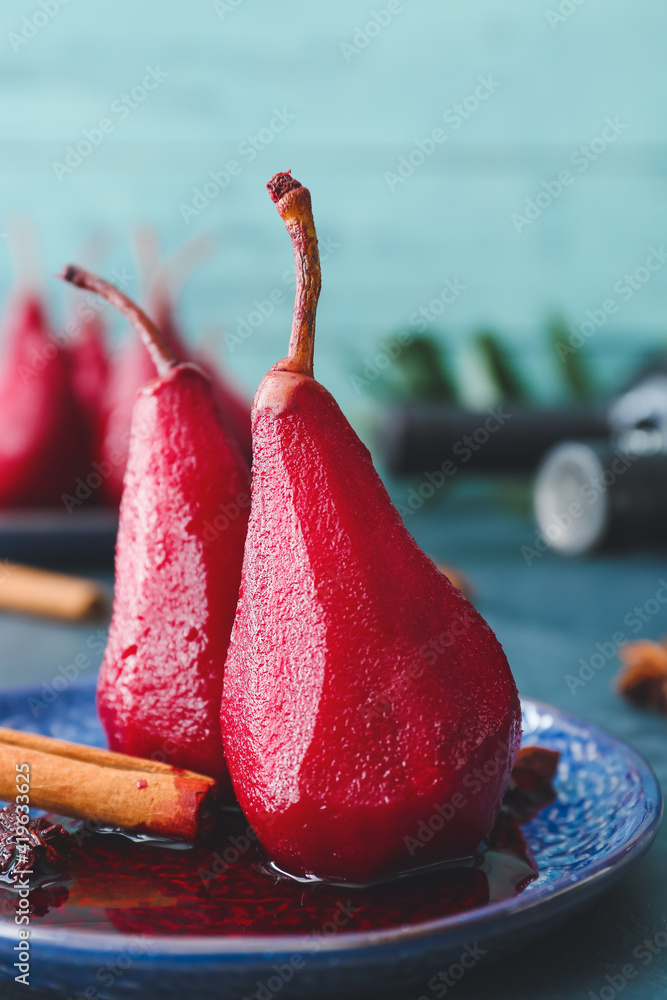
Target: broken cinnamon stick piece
<point>643,679</point>
<point>54,595</point>
<point>110,789</point>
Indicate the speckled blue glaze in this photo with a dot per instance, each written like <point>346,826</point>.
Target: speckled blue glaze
<point>607,814</point>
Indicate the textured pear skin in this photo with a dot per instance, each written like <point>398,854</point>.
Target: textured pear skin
<point>42,434</point>
<point>361,690</point>
<point>183,520</point>
<point>131,370</point>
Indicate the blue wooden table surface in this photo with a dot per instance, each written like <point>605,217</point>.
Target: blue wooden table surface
<point>552,617</point>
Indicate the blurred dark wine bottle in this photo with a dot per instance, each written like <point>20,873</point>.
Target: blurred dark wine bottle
<point>418,438</point>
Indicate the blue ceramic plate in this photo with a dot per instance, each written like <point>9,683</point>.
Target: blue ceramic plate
<point>607,814</point>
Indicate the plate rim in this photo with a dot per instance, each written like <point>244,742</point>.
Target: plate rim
<point>609,866</point>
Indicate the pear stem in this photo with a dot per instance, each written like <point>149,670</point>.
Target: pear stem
<point>294,207</point>
<point>161,354</point>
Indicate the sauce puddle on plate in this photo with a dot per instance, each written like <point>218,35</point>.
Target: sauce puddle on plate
<point>142,886</point>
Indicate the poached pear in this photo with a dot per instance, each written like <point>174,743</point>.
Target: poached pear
<point>369,715</point>
<point>183,518</point>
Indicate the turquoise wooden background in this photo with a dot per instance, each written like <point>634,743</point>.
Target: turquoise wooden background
<point>359,92</point>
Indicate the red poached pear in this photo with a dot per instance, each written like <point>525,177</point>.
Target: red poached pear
<point>43,437</point>
<point>365,700</point>
<point>183,520</point>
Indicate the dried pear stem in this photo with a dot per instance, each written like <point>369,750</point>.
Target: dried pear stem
<point>294,207</point>
<point>161,354</point>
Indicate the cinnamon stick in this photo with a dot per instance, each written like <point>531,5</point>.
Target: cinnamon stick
<point>110,789</point>
<point>54,595</point>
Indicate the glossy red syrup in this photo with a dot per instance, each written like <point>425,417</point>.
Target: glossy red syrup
<point>147,887</point>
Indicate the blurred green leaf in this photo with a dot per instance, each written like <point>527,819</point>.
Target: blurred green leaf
<point>571,364</point>
<point>500,367</point>
<point>419,371</point>
<point>425,371</point>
